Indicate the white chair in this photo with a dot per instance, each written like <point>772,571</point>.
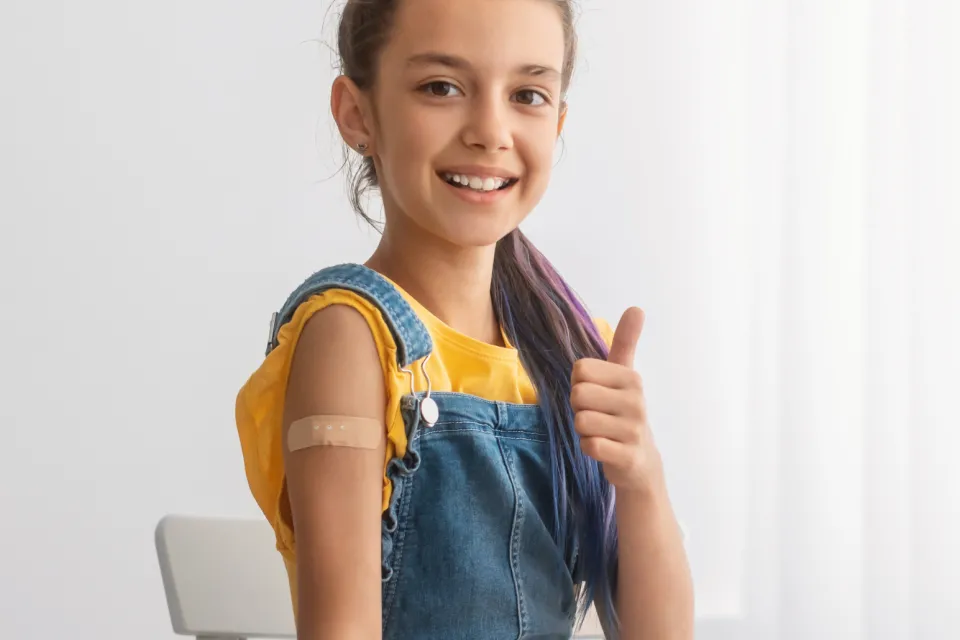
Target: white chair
<point>224,580</point>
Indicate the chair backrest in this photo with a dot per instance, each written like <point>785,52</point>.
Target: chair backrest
<point>223,578</point>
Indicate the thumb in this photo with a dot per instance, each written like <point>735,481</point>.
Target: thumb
<point>626,336</point>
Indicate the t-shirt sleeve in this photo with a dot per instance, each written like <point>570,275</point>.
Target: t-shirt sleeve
<point>260,408</point>
<point>606,331</point>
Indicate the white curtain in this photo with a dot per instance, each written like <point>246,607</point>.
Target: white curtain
<point>830,133</point>
<point>780,188</point>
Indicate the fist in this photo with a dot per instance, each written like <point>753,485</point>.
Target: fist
<point>610,411</point>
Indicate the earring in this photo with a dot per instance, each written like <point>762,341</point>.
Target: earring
<point>362,147</point>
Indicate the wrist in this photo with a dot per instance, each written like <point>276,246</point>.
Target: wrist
<point>652,494</point>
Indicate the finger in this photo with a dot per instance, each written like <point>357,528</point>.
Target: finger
<point>587,396</point>
<point>606,374</point>
<point>607,451</point>
<point>590,424</point>
<point>625,338</point>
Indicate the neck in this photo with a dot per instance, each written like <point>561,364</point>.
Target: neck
<point>451,282</point>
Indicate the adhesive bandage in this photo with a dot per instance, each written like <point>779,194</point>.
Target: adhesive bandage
<point>336,431</point>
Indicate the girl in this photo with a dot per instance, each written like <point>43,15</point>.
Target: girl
<point>439,437</point>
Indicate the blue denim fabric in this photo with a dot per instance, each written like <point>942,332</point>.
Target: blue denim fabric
<point>413,341</point>
<point>467,549</point>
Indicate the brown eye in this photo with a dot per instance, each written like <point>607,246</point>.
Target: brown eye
<point>530,97</point>
<point>439,89</point>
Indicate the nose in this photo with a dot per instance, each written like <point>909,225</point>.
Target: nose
<point>488,126</point>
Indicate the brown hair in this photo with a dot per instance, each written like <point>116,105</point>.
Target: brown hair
<point>364,28</point>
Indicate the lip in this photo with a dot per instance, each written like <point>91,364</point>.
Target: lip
<point>478,197</point>
<point>479,171</point>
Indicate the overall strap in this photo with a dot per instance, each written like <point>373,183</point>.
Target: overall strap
<point>413,340</point>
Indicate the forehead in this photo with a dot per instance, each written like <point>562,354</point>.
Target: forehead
<point>490,34</point>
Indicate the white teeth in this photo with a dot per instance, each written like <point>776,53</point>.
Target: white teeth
<point>475,182</point>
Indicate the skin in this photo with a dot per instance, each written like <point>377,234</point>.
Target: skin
<point>468,83</point>
<point>655,598</point>
<point>500,107</point>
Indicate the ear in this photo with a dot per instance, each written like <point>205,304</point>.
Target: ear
<point>562,119</point>
<point>349,106</point>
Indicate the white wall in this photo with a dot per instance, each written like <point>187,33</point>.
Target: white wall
<point>162,169</point>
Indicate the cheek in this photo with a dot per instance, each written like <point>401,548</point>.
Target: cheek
<point>414,138</point>
<point>406,142</point>
<point>398,133</point>
<point>539,148</point>
<point>412,131</point>
<point>545,149</point>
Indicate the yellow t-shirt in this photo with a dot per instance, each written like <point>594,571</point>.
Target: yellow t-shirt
<point>458,363</point>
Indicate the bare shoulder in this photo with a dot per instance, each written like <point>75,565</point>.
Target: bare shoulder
<point>336,367</point>
<point>335,492</point>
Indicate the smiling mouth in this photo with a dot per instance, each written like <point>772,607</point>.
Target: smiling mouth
<point>476,183</point>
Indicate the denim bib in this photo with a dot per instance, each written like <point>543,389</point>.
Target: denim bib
<point>467,549</point>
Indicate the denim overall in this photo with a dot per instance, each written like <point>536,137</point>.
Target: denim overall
<point>467,549</point>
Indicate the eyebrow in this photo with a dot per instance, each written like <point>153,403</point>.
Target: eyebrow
<point>456,62</point>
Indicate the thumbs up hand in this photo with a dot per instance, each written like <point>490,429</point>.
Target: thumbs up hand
<point>610,413</point>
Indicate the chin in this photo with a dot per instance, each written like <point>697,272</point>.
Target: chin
<point>464,223</point>
<point>464,232</point>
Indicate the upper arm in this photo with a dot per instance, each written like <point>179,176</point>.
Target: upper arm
<point>335,492</point>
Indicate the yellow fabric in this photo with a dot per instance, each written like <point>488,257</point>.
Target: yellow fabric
<point>458,363</point>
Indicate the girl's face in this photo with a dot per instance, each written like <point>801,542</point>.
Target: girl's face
<point>468,91</point>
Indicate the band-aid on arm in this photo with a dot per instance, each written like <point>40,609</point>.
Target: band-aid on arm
<point>336,431</point>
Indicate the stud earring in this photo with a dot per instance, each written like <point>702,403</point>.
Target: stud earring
<point>362,147</point>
